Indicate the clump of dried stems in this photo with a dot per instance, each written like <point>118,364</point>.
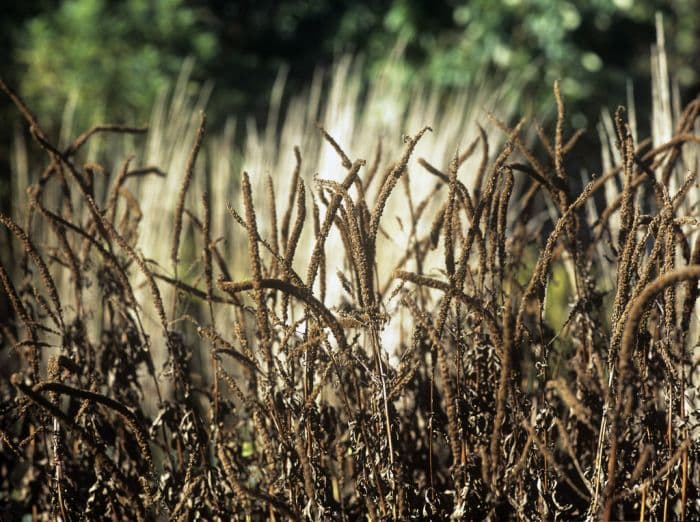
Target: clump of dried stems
<point>274,404</point>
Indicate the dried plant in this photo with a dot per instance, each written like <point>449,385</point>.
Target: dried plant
<point>339,373</point>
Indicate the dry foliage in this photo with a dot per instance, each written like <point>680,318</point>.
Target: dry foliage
<point>273,404</point>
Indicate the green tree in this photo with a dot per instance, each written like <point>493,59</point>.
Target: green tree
<point>593,46</point>
<point>114,56</point>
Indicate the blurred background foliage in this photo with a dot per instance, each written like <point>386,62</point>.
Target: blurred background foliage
<point>113,56</point>
<point>116,56</point>
<point>111,59</point>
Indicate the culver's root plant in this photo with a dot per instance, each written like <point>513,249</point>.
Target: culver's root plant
<point>367,338</point>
